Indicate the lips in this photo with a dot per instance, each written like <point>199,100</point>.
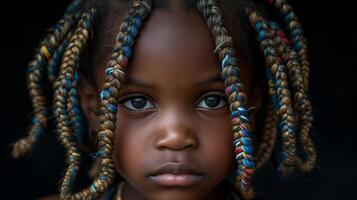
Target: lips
<point>176,174</point>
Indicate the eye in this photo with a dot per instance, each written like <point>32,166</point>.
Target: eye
<point>212,102</point>
<point>138,103</point>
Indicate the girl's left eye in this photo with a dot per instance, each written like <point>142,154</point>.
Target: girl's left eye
<point>138,103</point>
<point>212,102</point>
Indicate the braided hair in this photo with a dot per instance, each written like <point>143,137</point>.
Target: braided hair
<point>58,59</point>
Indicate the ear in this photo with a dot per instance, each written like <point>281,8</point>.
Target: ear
<point>89,103</point>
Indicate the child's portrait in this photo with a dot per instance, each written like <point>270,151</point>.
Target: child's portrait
<point>171,100</point>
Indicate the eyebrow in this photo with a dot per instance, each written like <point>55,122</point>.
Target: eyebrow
<point>139,83</point>
<point>215,79</point>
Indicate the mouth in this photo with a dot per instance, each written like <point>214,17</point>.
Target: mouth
<point>176,174</point>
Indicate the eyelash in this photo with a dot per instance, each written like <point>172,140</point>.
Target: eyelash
<point>127,102</point>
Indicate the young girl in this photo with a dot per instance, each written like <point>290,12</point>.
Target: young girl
<point>170,114</point>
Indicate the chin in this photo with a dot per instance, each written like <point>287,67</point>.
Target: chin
<point>175,194</point>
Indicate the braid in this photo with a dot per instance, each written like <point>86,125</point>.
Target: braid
<point>66,108</point>
<point>297,36</point>
<point>234,91</point>
<point>276,73</point>
<point>53,64</point>
<point>269,137</point>
<point>301,101</point>
<point>65,100</point>
<point>34,82</point>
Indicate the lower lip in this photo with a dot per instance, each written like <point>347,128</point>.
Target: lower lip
<point>176,179</point>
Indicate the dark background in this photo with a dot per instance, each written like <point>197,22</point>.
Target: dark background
<point>332,44</point>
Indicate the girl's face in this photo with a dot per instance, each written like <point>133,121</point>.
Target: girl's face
<point>173,138</point>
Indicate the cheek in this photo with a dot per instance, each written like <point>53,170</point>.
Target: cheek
<point>130,147</point>
<point>216,143</point>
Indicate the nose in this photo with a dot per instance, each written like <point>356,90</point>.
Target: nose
<point>175,133</point>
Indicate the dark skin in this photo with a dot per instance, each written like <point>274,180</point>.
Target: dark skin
<point>172,108</point>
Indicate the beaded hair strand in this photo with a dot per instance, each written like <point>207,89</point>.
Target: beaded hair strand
<point>301,101</point>
<point>64,90</point>
<point>281,97</point>
<point>66,94</point>
<point>299,67</point>
<point>236,97</point>
<point>35,76</point>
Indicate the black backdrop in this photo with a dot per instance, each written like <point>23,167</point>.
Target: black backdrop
<point>332,42</point>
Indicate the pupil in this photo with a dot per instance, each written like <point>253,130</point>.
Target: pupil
<point>211,101</point>
<point>138,102</point>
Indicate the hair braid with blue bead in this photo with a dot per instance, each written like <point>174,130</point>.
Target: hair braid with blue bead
<point>297,36</point>
<point>236,97</point>
<point>301,101</point>
<point>114,76</point>
<point>66,103</point>
<point>276,71</point>
<point>35,79</point>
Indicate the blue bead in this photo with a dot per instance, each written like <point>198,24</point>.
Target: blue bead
<point>296,32</point>
<point>289,16</point>
<point>129,40</point>
<point>247,149</point>
<point>224,61</point>
<point>246,133</point>
<point>242,110</point>
<point>259,26</point>
<point>274,25</point>
<point>67,83</point>
<point>137,21</point>
<point>104,94</point>
<point>133,30</point>
<point>298,46</point>
<point>246,141</point>
<point>103,178</point>
<point>109,71</point>
<point>240,98</point>
<point>234,114</point>
<point>262,35</point>
<point>234,72</point>
<point>127,51</point>
<point>93,188</point>
<point>112,108</point>
<point>76,76</point>
<point>76,110</point>
<point>247,163</point>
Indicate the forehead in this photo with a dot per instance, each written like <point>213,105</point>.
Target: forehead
<point>174,46</point>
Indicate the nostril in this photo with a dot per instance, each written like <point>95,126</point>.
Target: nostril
<point>176,141</point>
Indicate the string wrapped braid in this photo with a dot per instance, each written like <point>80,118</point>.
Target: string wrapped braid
<point>66,92</point>
<point>35,77</point>
<point>301,101</point>
<point>266,147</point>
<point>276,72</point>
<point>234,91</point>
<point>297,36</point>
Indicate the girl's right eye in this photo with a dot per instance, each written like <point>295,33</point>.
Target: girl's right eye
<point>138,103</point>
